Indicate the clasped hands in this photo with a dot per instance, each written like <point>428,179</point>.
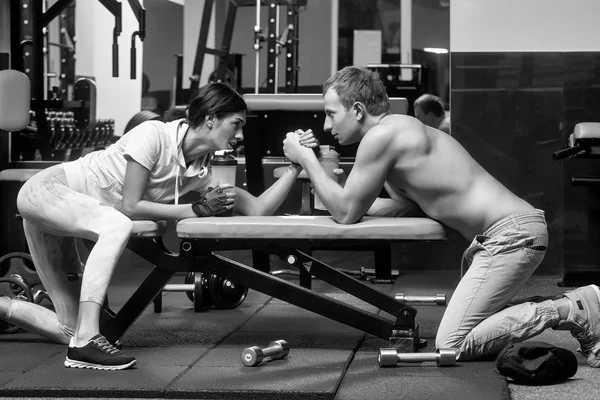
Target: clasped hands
<point>217,200</point>
<point>298,142</point>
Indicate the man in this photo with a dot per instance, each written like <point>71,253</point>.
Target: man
<point>429,109</point>
<point>422,166</point>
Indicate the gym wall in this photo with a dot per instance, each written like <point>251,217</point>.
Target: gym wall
<point>164,39</point>
<point>523,73</point>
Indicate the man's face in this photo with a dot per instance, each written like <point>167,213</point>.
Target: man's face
<point>341,123</point>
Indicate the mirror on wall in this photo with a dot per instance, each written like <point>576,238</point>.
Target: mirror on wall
<point>409,40</point>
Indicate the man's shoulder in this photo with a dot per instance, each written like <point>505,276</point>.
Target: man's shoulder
<point>392,125</point>
<point>397,133</point>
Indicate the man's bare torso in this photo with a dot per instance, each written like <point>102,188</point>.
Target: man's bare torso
<point>438,174</point>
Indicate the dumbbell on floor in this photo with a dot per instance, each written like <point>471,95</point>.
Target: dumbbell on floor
<point>254,355</point>
<point>442,357</point>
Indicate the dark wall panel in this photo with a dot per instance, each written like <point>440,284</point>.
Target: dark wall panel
<point>512,111</point>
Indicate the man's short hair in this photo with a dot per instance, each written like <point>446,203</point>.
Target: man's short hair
<point>429,103</point>
<point>354,84</point>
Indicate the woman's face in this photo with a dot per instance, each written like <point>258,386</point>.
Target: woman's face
<point>227,131</point>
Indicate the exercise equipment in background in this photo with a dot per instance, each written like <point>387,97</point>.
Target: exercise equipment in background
<point>19,280</point>
<point>580,265</point>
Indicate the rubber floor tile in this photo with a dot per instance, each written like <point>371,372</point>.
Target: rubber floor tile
<point>225,356</point>
<point>22,356</point>
<point>184,356</point>
<point>366,380</point>
<point>53,379</point>
<point>257,383</point>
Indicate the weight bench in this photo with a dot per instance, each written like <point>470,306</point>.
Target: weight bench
<point>281,235</point>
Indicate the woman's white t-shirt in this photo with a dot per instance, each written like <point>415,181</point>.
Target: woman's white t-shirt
<point>156,146</point>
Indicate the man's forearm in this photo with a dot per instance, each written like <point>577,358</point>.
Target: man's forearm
<point>329,191</point>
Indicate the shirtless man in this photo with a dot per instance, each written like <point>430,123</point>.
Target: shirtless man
<point>422,166</point>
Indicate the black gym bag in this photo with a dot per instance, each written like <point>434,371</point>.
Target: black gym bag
<point>536,363</point>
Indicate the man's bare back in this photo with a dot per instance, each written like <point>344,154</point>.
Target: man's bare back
<point>436,172</point>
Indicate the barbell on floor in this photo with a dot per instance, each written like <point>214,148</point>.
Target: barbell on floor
<point>389,357</point>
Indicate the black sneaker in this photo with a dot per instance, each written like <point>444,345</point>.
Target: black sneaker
<point>98,353</point>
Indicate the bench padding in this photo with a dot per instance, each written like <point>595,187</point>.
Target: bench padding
<point>309,227</point>
<point>587,130</point>
<point>146,228</point>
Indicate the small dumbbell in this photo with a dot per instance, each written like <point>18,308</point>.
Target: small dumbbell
<point>438,299</point>
<point>254,355</point>
<point>391,358</point>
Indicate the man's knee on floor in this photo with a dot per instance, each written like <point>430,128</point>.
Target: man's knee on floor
<point>446,341</point>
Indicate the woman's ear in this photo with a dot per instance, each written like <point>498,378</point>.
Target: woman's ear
<point>210,120</point>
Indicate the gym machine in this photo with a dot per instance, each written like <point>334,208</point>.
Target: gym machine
<point>583,144</point>
<point>63,121</point>
<point>229,65</point>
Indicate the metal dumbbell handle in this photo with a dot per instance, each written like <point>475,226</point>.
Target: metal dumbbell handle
<point>439,299</point>
<point>179,287</point>
<point>443,357</point>
<point>274,349</point>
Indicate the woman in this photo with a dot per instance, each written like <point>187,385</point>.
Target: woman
<point>98,196</point>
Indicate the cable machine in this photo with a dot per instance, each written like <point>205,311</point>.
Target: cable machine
<point>276,44</point>
<point>63,116</point>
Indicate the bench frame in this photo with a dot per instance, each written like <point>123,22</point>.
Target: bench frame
<point>198,255</point>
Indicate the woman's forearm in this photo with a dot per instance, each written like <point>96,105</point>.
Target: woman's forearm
<point>270,200</point>
<point>155,211</point>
